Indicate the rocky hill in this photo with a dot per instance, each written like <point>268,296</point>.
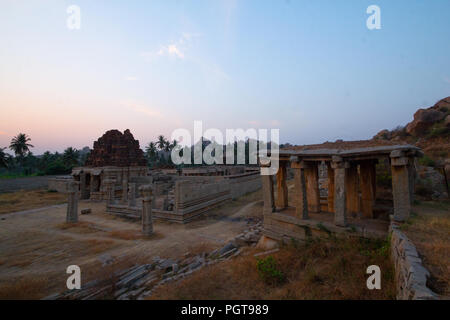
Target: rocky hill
<point>429,130</point>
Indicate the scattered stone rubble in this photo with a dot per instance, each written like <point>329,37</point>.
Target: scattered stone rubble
<point>140,281</point>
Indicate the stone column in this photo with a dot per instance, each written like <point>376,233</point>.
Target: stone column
<point>300,200</point>
<point>352,189</point>
<point>110,190</point>
<point>340,215</point>
<point>132,194</point>
<point>330,174</point>
<point>72,202</point>
<point>312,187</point>
<point>84,194</point>
<point>147,223</point>
<point>267,191</point>
<point>367,192</point>
<point>400,185</point>
<point>93,183</point>
<point>282,190</point>
<point>124,191</point>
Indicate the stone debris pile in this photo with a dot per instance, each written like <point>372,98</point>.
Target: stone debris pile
<point>140,281</point>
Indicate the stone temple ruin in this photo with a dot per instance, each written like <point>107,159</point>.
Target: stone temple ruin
<point>115,156</point>
<point>349,201</point>
<point>116,171</point>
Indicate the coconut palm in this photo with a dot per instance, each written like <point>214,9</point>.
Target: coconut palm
<point>151,150</point>
<point>20,146</point>
<point>162,142</point>
<point>71,157</point>
<point>3,158</point>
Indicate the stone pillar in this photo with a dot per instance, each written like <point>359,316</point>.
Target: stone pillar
<point>147,223</point>
<point>400,186</point>
<point>330,174</point>
<point>124,191</point>
<point>352,189</point>
<point>72,202</point>
<point>84,194</point>
<point>340,215</point>
<point>312,187</point>
<point>267,191</point>
<point>300,200</point>
<point>367,192</point>
<point>93,183</point>
<point>132,194</point>
<point>110,190</point>
<point>282,190</point>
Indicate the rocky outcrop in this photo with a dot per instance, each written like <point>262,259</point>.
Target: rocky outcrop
<point>423,120</point>
<point>431,179</point>
<point>116,149</point>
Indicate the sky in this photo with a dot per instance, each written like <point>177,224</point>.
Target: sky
<point>311,69</point>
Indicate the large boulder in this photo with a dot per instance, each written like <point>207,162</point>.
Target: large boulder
<point>423,120</point>
<point>431,182</point>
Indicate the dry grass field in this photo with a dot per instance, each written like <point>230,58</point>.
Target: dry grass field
<point>429,230</point>
<point>29,199</point>
<point>332,268</point>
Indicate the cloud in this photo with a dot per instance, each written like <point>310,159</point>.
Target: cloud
<point>176,49</point>
<point>141,108</point>
<point>171,50</point>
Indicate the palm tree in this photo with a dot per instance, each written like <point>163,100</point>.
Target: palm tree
<point>151,150</point>
<point>162,142</point>
<point>71,157</point>
<point>20,146</point>
<point>3,158</point>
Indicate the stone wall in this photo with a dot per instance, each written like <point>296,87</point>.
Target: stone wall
<point>243,184</point>
<point>410,275</point>
<point>59,184</point>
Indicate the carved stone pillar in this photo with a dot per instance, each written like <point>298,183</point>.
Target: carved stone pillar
<point>267,190</point>
<point>400,185</point>
<point>368,179</point>
<point>282,190</point>
<point>330,174</point>
<point>340,215</point>
<point>72,202</point>
<point>132,194</point>
<point>352,189</point>
<point>312,187</point>
<point>110,190</point>
<point>147,223</point>
<point>300,199</point>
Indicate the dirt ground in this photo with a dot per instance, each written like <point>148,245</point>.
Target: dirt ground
<point>29,199</point>
<point>36,246</point>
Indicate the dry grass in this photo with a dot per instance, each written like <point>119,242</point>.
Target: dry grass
<point>81,227</point>
<point>322,269</point>
<point>25,200</point>
<point>126,234</point>
<point>23,288</point>
<point>98,246</point>
<point>429,229</point>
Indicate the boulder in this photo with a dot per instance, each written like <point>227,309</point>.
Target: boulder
<point>383,135</point>
<point>423,120</point>
<point>447,121</point>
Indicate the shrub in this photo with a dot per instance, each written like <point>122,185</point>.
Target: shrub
<point>427,161</point>
<point>269,272</point>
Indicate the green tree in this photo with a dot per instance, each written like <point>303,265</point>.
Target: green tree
<point>20,146</point>
<point>161,143</point>
<point>3,158</point>
<point>71,157</point>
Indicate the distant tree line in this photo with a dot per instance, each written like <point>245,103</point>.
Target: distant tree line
<point>25,163</point>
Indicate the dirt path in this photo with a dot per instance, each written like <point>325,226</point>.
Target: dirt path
<point>38,243</point>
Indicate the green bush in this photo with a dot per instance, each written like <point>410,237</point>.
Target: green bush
<point>427,161</point>
<point>269,272</point>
